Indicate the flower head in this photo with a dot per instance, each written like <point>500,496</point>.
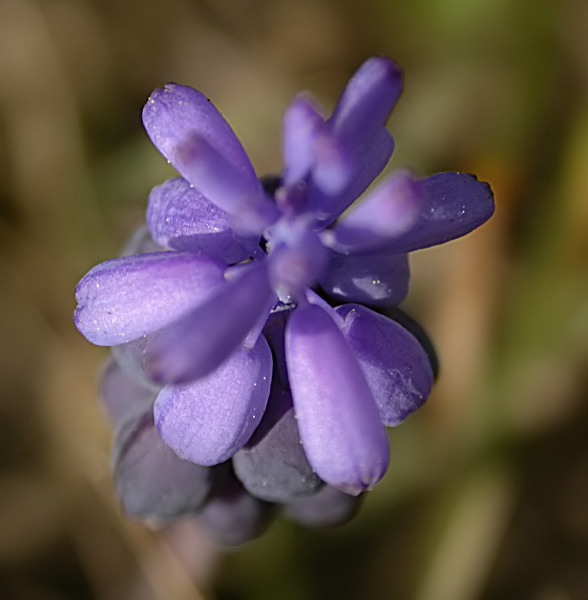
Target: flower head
<point>245,261</point>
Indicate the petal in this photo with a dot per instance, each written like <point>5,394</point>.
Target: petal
<point>125,298</point>
<point>175,113</point>
<point>301,125</point>
<point>141,242</point>
<point>152,482</point>
<point>208,420</point>
<point>272,465</point>
<point>334,164</point>
<point>454,204</point>
<point>233,517</point>
<point>386,213</point>
<point>395,365</point>
<point>367,101</point>
<point>124,398</point>
<point>326,208</point>
<point>325,508</point>
<point>225,185</point>
<point>339,422</point>
<point>181,218</point>
<point>374,278</point>
<point>196,344</point>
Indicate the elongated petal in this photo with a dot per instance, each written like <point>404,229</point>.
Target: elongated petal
<point>208,420</point>
<point>272,465</point>
<point>199,342</point>
<point>153,484</point>
<point>233,517</point>
<point>301,125</point>
<point>339,422</point>
<point>175,113</point>
<point>334,165</point>
<point>396,367</point>
<point>125,298</point>
<point>385,214</point>
<point>453,205</point>
<point>225,185</point>
<point>123,397</point>
<point>327,207</point>
<point>325,508</point>
<point>367,101</point>
<point>373,278</point>
<point>181,218</point>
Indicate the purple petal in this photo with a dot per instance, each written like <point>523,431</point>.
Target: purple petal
<point>122,299</point>
<point>196,344</point>
<point>334,165</point>
<point>181,218</point>
<point>326,508</point>
<point>141,242</point>
<point>367,101</point>
<point>272,465</point>
<point>123,397</point>
<point>386,213</point>
<point>176,113</point>
<point>302,122</point>
<point>152,482</point>
<point>454,204</point>
<point>208,420</point>
<point>395,365</point>
<point>339,422</point>
<point>233,517</point>
<point>326,208</point>
<point>374,278</point>
<point>225,185</point>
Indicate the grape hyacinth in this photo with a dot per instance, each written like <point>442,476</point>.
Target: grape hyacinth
<point>254,365</point>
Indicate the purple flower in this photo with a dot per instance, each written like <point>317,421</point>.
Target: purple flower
<point>236,250</point>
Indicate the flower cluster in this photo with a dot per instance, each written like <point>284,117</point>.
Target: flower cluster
<point>253,363</point>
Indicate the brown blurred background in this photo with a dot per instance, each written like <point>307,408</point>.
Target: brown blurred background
<point>487,494</point>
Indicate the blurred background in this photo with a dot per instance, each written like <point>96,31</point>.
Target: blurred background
<point>487,494</point>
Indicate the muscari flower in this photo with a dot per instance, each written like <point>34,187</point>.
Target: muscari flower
<point>249,291</point>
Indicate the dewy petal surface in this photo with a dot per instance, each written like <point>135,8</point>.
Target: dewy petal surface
<point>367,101</point>
<point>122,299</point>
<point>386,213</point>
<point>181,218</point>
<point>208,420</point>
<point>339,422</point>
<point>196,344</point>
<point>374,278</point>
<point>453,205</point>
<point>175,113</point>
<point>395,365</point>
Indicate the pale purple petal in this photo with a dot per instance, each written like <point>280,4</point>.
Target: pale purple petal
<point>385,214</point>
<point>453,205</point>
<point>176,113</point>
<point>375,278</point>
<point>339,422</point>
<point>196,344</point>
<point>334,165</point>
<point>396,366</point>
<point>301,125</point>
<point>141,242</point>
<point>208,420</point>
<point>367,101</point>
<point>326,208</point>
<point>123,397</point>
<point>209,171</point>
<point>153,484</point>
<point>122,299</point>
<point>181,218</point>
